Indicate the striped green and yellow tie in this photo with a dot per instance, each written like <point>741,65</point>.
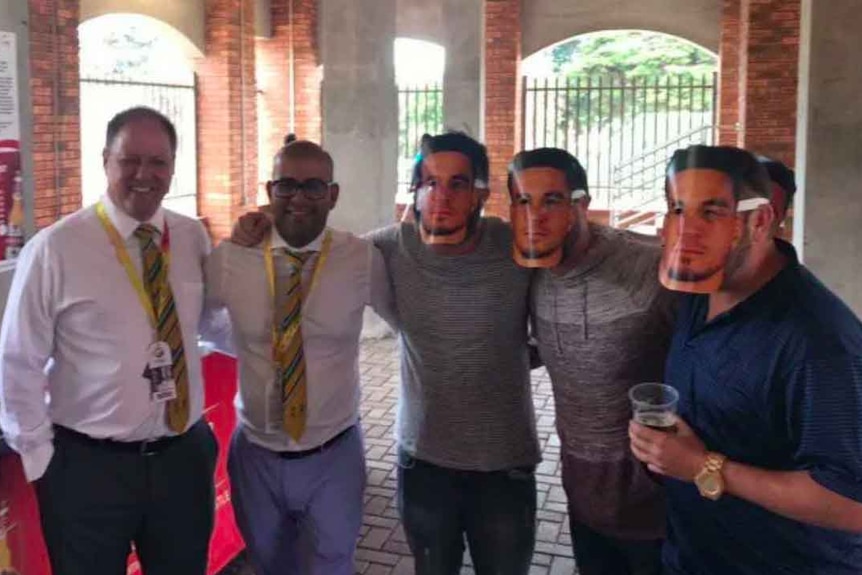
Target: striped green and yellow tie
<point>167,322</point>
<point>289,356</point>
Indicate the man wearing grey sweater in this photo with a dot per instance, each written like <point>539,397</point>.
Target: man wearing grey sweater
<point>602,324</point>
<point>466,424</point>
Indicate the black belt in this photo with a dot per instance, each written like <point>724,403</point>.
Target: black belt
<point>323,446</point>
<point>145,447</point>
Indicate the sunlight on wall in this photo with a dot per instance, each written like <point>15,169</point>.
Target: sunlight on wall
<point>131,60</point>
<point>418,62</point>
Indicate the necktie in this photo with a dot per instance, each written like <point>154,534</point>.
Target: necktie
<point>289,356</point>
<point>167,323</point>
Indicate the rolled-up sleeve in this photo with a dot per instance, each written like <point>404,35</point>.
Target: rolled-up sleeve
<point>825,420</point>
<point>26,344</point>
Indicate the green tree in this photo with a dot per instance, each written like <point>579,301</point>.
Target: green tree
<point>631,55</point>
<point>638,73</point>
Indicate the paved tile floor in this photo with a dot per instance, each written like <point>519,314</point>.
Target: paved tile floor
<point>382,548</point>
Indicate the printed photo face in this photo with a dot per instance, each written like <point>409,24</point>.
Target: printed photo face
<point>700,229</point>
<point>542,215</point>
<point>446,198</point>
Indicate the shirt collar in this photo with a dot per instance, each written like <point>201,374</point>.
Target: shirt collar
<point>126,224</point>
<point>278,242</point>
<point>771,294</point>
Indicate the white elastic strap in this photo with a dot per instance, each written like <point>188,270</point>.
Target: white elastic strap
<point>578,194</point>
<point>480,184</point>
<point>750,204</point>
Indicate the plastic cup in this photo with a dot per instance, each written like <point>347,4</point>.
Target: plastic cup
<point>654,405</point>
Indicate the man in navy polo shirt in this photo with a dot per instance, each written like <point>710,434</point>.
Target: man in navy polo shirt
<point>765,472</point>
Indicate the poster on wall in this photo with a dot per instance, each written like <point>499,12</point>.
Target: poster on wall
<point>11,187</point>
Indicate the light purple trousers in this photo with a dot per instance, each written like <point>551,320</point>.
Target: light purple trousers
<point>299,516</point>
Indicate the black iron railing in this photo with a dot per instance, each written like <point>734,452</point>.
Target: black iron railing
<point>607,121</point>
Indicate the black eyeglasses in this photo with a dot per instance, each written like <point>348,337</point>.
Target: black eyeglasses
<point>312,189</point>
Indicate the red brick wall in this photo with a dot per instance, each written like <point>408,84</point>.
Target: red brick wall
<point>272,70</point>
<point>56,122</point>
<point>227,119</point>
<point>273,78</point>
<point>759,67</point>
<point>771,78</point>
<point>502,98</point>
<point>729,61</point>
<point>307,70</point>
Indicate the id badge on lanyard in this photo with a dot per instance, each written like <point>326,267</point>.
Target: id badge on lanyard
<point>159,372</point>
<point>159,367</point>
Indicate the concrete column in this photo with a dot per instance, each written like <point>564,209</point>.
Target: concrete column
<point>462,100</point>
<point>829,154</point>
<point>360,109</point>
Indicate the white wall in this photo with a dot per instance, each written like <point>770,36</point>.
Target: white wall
<point>187,17</point>
<point>548,22</point>
<point>829,150</point>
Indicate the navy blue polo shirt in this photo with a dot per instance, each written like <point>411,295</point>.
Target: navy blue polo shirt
<point>776,383</point>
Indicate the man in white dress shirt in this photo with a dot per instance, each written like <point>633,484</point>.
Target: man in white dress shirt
<point>103,316</point>
<point>296,463</point>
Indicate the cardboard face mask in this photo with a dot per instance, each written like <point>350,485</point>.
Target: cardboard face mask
<point>542,215</point>
<point>446,199</point>
<point>701,229</point>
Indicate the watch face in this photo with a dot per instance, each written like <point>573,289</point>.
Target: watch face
<point>710,483</point>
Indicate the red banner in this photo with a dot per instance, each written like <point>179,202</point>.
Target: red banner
<point>11,201</point>
<point>22,549</point>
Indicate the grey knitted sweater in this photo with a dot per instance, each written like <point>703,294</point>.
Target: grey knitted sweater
<point>465,399</point>
<point>601,328</point>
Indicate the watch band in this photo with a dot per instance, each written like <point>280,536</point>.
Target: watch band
<point>714,462</point>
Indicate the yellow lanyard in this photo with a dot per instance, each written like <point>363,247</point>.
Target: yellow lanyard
<point>280,343</point>
<point>125,259</point>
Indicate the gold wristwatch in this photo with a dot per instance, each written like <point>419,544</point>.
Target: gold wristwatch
<point>709,481</point>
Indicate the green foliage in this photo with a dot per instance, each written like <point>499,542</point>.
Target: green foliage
<point>630,55</point>
<point>619,76</point>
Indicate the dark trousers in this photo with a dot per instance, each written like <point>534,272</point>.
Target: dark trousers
<point>496,511</point>
<point>598,554</point>
<point>95,500</point>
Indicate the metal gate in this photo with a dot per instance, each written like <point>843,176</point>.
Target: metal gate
<point>621,129</point>
<point>420,111</point>
<point>102,98</point>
